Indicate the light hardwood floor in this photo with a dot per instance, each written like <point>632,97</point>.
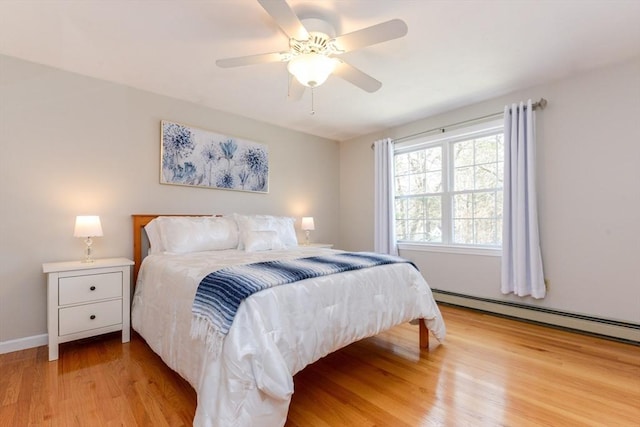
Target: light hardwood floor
<point>490,371</point>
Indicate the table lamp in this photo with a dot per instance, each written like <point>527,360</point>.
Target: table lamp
<point>307,225</point>
<point>88,226</point>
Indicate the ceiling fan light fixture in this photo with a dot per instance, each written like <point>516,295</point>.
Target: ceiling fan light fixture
<point>311,69</point>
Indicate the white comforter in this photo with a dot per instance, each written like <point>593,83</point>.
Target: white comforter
<point>275,333</point>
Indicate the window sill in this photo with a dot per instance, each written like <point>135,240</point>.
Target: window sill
<point>463,250</point>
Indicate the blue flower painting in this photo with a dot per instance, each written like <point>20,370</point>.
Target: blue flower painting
<point>197,157</point>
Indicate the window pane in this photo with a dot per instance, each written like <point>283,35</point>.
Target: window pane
<point>486,176</point>
<point>463,153</point>
<point>484,205</point>
<point>434,158</point>
<point>417,183</point>
<point>402,185</point>
<point>463,179</point>
<point>486,150</point>
<point>416,208</point>
<point>486,232</point>
<point>433,182</point>
<point>463,206</point>
<point>401,164</point>
<point>463,231</point>
<point>415,230</point>
<point>434,207</point>
<point>401,208</point>
<point>417,161</point>
<point>401,230</point>
<point>434,232</point>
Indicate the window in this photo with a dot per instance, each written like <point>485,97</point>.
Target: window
<point>448,190</point>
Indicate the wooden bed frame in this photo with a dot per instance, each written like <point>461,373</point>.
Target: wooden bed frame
<point>139,252</point>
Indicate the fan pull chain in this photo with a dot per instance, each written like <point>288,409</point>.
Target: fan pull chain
<point>312,107</point>
<point>289,83</point>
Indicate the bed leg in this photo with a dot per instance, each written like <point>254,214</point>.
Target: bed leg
<point>424,334</point>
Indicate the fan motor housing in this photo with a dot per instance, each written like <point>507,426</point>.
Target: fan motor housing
<point>317,43</point>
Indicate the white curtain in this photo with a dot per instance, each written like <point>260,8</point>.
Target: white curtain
<point>384,232</point>
<point>522,272</point>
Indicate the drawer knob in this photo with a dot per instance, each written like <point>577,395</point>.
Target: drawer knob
<point>92,288</point>
<point>93,316</point>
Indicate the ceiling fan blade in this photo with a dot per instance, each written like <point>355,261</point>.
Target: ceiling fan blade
<point>261,58</point>
<point>286,18</point>
<point>371,35</point>
<point>356,77</point>
<point>296,89</point>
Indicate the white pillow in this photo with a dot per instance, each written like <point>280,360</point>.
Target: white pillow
<point>195,234</point>
<point>153,234</point>
<point>261,241</point>
<point>282,225</point>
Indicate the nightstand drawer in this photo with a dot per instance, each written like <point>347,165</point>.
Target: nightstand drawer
<point>89,316</point>
<point>90,287</point>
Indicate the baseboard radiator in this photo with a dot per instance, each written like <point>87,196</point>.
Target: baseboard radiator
<point>622,331</point>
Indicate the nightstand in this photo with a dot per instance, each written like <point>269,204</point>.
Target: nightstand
<point>87,299</point>
<point>318,245</point>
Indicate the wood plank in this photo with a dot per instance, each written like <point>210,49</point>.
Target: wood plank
<point>489,371</point>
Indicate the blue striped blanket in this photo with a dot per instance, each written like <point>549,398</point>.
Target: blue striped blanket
<point>220,293</point>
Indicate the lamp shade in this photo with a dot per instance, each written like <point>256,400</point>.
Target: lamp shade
<point>311,69</point>
<point>307,223</point>
<point>87,226</point>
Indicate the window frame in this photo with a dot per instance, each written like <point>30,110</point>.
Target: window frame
<point>446,140</point>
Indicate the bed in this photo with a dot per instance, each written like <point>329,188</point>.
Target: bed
<point>275,333</point>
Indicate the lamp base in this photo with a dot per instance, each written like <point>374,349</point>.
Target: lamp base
<point>87,251</point>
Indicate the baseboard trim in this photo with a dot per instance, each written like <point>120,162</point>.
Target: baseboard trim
<point>628,332</point>
<point>623,331</point>
<point>23,343</point>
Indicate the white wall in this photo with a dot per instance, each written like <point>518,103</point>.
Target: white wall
<point>73,145</point>
<point>589,196</point>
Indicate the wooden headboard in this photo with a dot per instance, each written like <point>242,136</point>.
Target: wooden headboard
<point>139,252</point>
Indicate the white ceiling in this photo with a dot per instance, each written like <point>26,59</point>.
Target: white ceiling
<point>455,53</point>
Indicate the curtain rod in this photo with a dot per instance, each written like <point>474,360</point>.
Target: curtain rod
<point>442,129</point>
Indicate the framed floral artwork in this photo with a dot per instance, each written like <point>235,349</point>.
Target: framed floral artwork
<point>201,158</point>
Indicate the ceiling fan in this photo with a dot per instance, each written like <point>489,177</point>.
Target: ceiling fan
<point>313,49</point>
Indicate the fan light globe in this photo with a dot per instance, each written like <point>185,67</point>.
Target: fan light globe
<point>311,69</point>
